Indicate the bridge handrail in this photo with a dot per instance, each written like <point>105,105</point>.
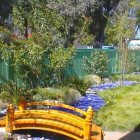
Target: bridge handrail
<point>57,104</point>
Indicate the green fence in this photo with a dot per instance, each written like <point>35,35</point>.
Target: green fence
<point>4,71</point>
<point>76,67</point>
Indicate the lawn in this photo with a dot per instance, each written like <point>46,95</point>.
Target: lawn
<point>122,110</point>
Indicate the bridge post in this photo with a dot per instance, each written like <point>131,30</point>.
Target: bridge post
<point>88,123</point>
<point>9,118</point>
<point>22,104</point>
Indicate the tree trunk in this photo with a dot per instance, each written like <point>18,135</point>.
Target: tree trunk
<point>98,25</point>
<point>99,39</point>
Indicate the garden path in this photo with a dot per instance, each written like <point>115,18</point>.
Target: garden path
<point>117,135</point>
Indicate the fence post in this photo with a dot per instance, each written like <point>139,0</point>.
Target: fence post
<point>88,123</point>
<point>9,118</point>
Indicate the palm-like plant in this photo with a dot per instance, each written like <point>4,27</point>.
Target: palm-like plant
<point>12,89</point>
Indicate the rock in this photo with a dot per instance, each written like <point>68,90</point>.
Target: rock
<point>92,79</point>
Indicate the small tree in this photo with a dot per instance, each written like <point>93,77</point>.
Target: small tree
<point>121,30</point>
<point>96,64</point>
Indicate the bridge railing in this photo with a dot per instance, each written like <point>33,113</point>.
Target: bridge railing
<point>53,104</point>
<point>83,119</point>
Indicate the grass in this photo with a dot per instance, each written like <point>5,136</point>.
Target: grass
<point>122,110</point>
<point>130,77</point>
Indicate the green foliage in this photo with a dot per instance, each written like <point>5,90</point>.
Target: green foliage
<point>10,89</point>
<point>42,94</point>
<point>62,94</point>
<point>70,95</point>
<point>96,63</point>
<point>117,28</point>
<point>138,15</point>
<point>41,18</point>
<point>82,34</point>
<point>58,60</point>
<point>133,77</point>
<point>123,105</point>
<point>76,83</point>
<point>121,34</point>
<point>130,63</point>
<point>5,97</point>
<point>129,77</point>
<point>12,93</point>
<point>27,55</point>
<point>110,96</point>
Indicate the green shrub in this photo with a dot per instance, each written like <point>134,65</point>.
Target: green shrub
<point>41,94</point>
<point>11,92</point>
<point>77,83</point>
<point>129,77</point>
<point>133,77</point>
<point>96,64</point>
<point>11,88</point>
<point>63,94</point>
<point>70,95</point>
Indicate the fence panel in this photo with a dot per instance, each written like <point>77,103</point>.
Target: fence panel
<point>4,71</point>
<point>76,66</point>
<point>137,57</point>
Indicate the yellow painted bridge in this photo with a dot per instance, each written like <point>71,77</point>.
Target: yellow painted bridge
<point>52,116</point>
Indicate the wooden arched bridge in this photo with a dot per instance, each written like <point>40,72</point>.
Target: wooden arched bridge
<point>56,117</point>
